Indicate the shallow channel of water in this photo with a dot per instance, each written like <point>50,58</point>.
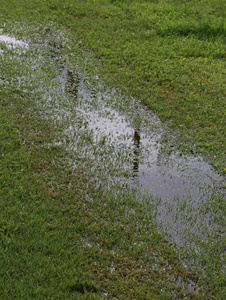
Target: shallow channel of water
<point>137,134</point>
<point>123,140</point>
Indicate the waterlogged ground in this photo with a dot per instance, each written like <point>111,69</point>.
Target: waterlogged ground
<point>121,142</point>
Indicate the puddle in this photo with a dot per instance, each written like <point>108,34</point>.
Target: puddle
<point>183,183</point>
<point>122,140</point>
<point>12,42</point>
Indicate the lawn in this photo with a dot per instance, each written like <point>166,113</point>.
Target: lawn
<point>56,243</point>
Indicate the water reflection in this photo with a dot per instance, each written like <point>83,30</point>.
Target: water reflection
<point>11,42</point>
<point>73,82</point>
<point>136,152</point>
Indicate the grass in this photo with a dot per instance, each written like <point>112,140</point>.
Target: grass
<point>31,265</point>
<point>55,241</point>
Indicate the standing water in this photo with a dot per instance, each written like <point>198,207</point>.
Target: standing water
<point>121,140</point>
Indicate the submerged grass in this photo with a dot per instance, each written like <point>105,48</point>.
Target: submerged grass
<point>62,237</point>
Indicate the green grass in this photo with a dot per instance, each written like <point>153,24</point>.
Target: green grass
<point>55,242</point>
<point>35,255</point>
